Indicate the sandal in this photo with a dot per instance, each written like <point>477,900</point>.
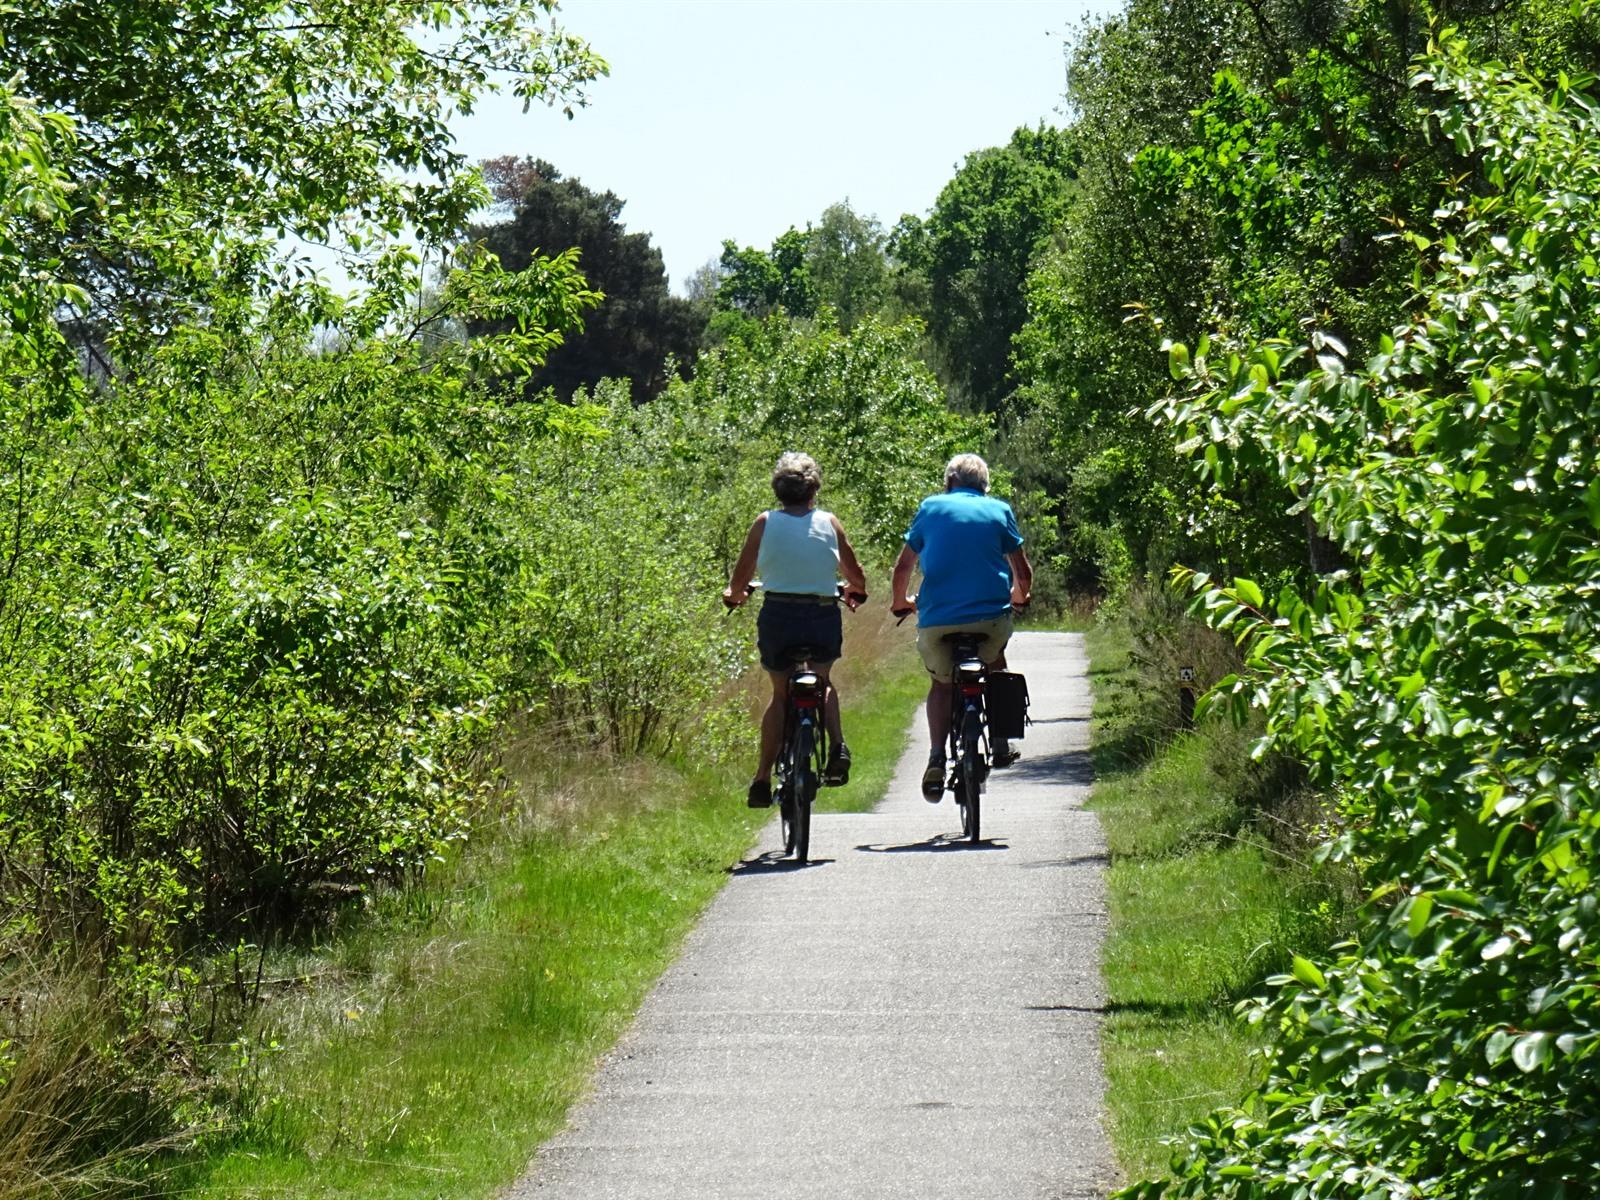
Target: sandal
<point>933,781</point>
<point>760,794</point>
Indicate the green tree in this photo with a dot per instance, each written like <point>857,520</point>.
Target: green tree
<point>758,283</point>
<point>847,265</point>
<point>1084,370</point>
<point>219,587</point>
<point>201,119</point>
<point>1248,163</point>
<point>976,247</point>
<point>640,326</point>
<point>863,402</point>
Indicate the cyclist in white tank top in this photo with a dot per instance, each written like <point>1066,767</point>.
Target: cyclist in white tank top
<point>801,551</point>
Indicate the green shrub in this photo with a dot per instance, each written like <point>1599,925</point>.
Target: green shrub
<point>259,614</point>
<point>1445,687</point>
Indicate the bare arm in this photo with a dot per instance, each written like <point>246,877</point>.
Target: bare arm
<point>744,570</point>
<point>1021,577</point>
<point>903,566</point>
<point>855,579</point>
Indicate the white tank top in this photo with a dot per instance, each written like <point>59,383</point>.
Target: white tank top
<point>799,554</point>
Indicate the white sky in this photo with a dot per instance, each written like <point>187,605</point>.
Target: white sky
<point>739,118</point>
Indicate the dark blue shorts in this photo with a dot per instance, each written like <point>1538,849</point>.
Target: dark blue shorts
<point>785,623</point>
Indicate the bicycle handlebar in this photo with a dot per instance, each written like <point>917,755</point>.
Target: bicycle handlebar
<point>903,613</point>
<point>853,599</point>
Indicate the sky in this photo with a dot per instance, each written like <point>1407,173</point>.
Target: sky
<point>739,118</point>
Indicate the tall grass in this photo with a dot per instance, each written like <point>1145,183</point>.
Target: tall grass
<point>1209,887</point>
<point>82,1113</point>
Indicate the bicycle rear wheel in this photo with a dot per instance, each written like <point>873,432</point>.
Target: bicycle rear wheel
<point>968,797</point>
<point>786,785</point>
<point>786,809</point>
<point>804,791</point>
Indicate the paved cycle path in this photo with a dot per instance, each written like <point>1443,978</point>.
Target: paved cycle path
<point>908,1016</point>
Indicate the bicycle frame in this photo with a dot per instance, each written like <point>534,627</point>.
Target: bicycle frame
<point>803,750</point>
<point>969,754</point>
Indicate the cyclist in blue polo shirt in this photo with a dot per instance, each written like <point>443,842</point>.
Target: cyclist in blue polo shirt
<point>974,571</point>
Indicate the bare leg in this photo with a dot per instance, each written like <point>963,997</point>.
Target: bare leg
<point>939,696</point>
<point>772,723</point>
<point>830,710</point>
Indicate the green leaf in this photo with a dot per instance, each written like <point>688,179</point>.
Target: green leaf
<point>1532,1051</point>
<point>1499,1045</point>
<point>1497,948</point>
<point>1308,973</point>
<point>1421,910</point>
<point>1409,686</point>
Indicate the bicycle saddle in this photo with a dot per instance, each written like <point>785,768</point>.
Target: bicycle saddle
<point>799,653</point>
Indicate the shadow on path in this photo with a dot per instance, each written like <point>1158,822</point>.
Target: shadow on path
<point>937,844</point>
<point>774,862</point>
<point>1169,1010</point>
<point>1072,767</point>
<point>1077,860</point>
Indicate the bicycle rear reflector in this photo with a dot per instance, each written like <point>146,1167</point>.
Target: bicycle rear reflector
<point>969,677</point>
<point>806,690</point>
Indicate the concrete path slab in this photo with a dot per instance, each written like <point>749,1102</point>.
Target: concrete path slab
<point>908,1016</point>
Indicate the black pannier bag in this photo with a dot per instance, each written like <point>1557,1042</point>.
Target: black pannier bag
<point>1008,704</point>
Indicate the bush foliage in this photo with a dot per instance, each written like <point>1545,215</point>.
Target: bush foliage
<point>265,600</point>
<point>278,565</point>
<point>261,603</point>
<point>1444,686</point>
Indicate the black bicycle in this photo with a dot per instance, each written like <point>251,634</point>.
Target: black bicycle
<point>804,749</point>
<point>802,752</point>
<point>969,755</point>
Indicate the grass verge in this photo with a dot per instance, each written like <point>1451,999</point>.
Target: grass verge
<point>1205,902</point>
<point>444,1039</point>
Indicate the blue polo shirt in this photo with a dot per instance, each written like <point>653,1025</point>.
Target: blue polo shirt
<point>962,538</point>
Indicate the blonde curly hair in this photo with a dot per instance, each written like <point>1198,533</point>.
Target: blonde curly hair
<point>796,478</point>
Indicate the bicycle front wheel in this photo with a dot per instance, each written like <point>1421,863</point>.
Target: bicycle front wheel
<point>969,796</point>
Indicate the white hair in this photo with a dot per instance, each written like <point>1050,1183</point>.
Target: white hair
<point>968,471</point>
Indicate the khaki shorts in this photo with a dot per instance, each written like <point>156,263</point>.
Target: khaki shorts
<point>938,656</point>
